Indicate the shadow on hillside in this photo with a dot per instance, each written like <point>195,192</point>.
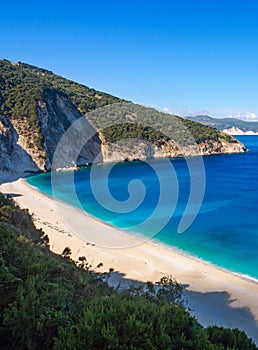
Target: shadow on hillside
<point>216,308</point>
<point>12,195</point>
<point>211,308</point>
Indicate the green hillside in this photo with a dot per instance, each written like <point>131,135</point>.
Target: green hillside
<point>160,127</point>
<point>47,301</point>
<point>23,87</point>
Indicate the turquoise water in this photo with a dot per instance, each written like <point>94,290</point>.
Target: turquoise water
<point>225,230</point>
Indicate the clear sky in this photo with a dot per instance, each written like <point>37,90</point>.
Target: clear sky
<point>184,56</point>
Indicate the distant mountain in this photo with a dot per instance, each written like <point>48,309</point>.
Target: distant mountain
<point>231,126</point>
<point>37,107</point>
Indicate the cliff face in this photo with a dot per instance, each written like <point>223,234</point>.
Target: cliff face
<point>15,161</point>
<point>122,151</point>
<point>56,114</point>
<point>237,131</point>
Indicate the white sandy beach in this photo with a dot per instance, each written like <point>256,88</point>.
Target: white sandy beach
<point>215,296</point>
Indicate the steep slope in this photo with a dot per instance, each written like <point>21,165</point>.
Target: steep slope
<point>231,126</point>
<point>14,159</point>
<point>37,107</point>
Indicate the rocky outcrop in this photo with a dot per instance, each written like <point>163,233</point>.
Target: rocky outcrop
<point>15,162</point>
<point>126,150</point>
<point>56,114</point>
<point>217,147</point>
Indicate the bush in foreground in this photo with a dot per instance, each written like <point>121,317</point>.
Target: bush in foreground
<point>48,302</point>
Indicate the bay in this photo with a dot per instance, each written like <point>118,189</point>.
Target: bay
<point>144,196</point>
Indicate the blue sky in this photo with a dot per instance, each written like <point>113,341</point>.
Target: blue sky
<point>184,56</point>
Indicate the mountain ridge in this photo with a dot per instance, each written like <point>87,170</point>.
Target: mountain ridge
<point>232,126</point>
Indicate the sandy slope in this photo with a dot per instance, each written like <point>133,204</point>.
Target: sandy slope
<point>215,296</point>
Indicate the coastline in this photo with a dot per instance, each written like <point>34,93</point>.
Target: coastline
<point>139,238</point>
<point>216,296</point>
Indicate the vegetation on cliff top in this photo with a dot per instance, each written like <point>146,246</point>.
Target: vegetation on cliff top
<point>23,87</point>
<point>129,120</point>
<point>47,301</point>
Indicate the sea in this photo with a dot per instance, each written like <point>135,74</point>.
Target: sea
<point>206,208</point>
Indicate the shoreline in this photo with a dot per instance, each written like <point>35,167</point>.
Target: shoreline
<point>146,239</point>
<point>152,241</point>
<point>216,295</point>
<point>179,251</point>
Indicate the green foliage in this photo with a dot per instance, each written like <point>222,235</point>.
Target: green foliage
<point>202,132</point>
<point>20,93</point>
<point>67,253</point>
<point>122,322</point>
<point>229,338</point>
<point>47,302</point>
<point>134,121</point>
<point>39,291</point>
<point>24,87</point>
<point>164,292</point>
<point>138,131</point>
<point>170,291</point>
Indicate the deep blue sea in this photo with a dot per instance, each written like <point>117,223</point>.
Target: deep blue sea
<point>224,230</point>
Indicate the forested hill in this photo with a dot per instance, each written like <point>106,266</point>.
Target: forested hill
<point>48,301</point>
<point>37,107</point>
